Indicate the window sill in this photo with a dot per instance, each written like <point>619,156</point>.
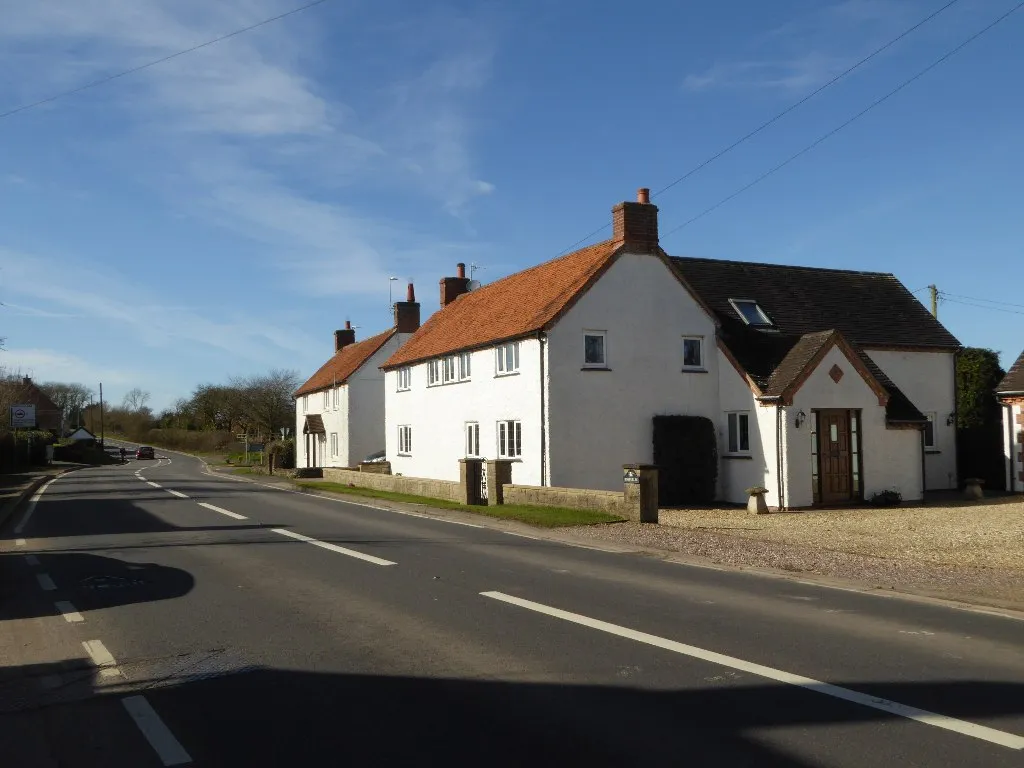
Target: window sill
<point>931,451</point>
<point>595,368</point>
<point>405,455</point>
<point>503,375</point>
<point>741,456</point>
<point>695,370</point>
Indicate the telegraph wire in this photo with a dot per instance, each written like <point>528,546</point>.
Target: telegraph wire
<point>147,65</point>
<point>783,113</point>
<point>975,298</point>
<point>837,129</point>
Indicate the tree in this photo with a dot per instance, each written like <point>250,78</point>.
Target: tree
<point>70,399</point>
<point>135,400</point>
<point>978,418</point>
<point>266,400</point>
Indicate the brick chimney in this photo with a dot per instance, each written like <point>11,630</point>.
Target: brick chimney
<point>636,224</point>
<point>407,313</point>
<point>453,287</point>
<point>344,337</point>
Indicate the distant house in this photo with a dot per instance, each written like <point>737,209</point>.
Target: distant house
<point>25,392</point>
<point>339,413</point>
<point>824,386</point>
<point>1010,393</point>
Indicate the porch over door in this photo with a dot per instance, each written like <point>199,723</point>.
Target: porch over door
<point>835,456</point>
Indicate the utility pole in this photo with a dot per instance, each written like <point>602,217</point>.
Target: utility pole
<point>102,443</point>
<point>935,301</point>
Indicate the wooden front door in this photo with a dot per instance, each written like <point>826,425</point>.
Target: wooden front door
<point>835,457</point>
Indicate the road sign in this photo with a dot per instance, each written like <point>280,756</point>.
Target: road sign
<point>23,416</point>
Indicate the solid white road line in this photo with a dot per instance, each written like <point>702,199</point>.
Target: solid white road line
<point>68,612</point>
<point>894,708</point>
<point>32,560</point>
<point>101,658</point>
<point>159,736</point>
<point>155,485</point>
<point>179,494</point>
<point>333,547</point>
<point>45,582</point>
<point>19,542</point>
<point>227,512</point>
<point>32,506</point>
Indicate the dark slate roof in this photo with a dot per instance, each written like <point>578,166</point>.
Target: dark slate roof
<point>1013,381</point>
<point>868,308</point>
<point>795,362</point>
<point>314,424</point>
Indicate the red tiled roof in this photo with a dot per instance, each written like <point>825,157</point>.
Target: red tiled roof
<point>344,363</point>
<point>1013,381</point>
<point>510,308</point>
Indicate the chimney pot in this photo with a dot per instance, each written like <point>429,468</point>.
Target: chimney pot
<point>410,294</point>
<point>348,325</point>
<point>460,269</point>
<point>643,195</point>
<point>407,313</point>
<point>636,224</point>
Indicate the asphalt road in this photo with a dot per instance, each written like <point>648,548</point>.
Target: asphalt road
<point>153,614</point>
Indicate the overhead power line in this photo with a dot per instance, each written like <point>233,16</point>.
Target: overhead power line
<point>987,301</point>
<point>783,113</point>
<point>945,297</point>
<point>878,102</point>
<point>161,60</point>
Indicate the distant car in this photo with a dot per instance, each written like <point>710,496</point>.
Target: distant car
<point>145,452</point>
<point>376,458</point>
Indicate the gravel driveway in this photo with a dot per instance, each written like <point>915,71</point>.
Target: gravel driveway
<point>972,551</point>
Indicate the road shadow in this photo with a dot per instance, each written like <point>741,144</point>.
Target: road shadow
<point>90,582</point>
<point>256,716</point>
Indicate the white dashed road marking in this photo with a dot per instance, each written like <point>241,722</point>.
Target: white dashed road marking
<point>179,494</point>
<point>45,582</point>
<point>32,560</point>
<point>892,707</point>
<point>155,485</point>
<point>159,736</point>
<point>227,512</point>
<point>333,547</point>
<point>19,542</point>
<point>101,658</point>
<point>68,611</point>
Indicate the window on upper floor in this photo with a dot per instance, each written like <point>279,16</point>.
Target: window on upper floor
<point>929,431</point>
<point>405,440</point>
<point>506,358</point>
<point>693,352</point>
<point>465,359</point>
<point>448,369</point>
<point>335,396</point>
<point>404,379</point>
<point>750,312</point>
<point>305,403</point>
<point>595,354</point>
<point>510,439</point>
<point>433,372</point>
<point>327,399</point>
<point>739,432</point>
<point>472,439</point>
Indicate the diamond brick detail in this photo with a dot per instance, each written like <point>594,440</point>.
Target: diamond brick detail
<point>836,373</point>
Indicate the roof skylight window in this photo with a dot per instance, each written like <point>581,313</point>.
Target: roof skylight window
<point>751,313</point>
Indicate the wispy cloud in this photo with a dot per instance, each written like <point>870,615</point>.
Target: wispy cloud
<point>53,365</point>
<point>807,51</point>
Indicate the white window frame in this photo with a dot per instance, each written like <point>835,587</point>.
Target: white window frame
<point>472,432</point>
<point>932,417</point>
<point>404,379</point>
<point>449,369</point>
<point>604,349</point>
<point>433,373</point>
<point>404,440</point>
<point>767,321</point>
<point>503,353</point>
<point>465,365</point>
<point>509,436</point>
<point>334,444</point>
<point>327,399</point>
<point>305,403</point>
<point>700,343</point>
<point>732,430</point>
<point>335,396</point>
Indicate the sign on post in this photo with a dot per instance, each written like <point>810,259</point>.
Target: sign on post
<point>630,477</point>
<point>23,416</point>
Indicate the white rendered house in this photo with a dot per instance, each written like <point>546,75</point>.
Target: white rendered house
<point>564,367</point>
<point>1011,396</point>
<point>339,411</point>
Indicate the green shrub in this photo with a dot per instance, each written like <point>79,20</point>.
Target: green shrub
<point>283,452</point>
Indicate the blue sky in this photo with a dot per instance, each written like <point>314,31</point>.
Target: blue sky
<point>222,213</point>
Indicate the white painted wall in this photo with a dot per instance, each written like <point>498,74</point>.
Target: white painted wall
<point>735,475</point>
<point>357,417</point>
<point>891,457</point>
<point>600,420</point>
<point>928,379</point>
<point>438,416</point>
<point>1012,449</point>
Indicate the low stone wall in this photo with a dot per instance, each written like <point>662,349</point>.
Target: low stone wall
<point>417,486</point>
<point>376,467</point>
<point>612,502</point>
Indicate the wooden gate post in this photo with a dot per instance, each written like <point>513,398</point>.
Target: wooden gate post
<point>640,489</point>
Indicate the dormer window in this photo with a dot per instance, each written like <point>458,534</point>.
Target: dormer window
<point>751,313</point>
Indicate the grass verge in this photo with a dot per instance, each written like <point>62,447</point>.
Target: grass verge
<point>544,517</point>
